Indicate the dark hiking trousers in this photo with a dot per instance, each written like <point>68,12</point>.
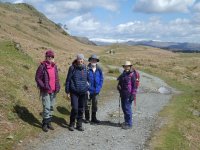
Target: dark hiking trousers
<point>92,101</point>
<point>127,110</point>
<point>77,104</point>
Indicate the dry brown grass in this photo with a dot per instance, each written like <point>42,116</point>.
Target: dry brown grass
<point>20,24</point>
<point>178,66</point>
<point>179,70</point>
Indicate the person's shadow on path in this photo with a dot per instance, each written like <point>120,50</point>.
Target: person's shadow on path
<point>24,114</point>
<point>63,110</point>
<point>60,121</point>
<point>107,123</point>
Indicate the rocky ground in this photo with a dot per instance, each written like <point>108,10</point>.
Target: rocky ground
<point>152,96</point>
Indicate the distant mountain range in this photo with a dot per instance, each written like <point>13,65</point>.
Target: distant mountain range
<point>84,40</point>
<point>171,46</point>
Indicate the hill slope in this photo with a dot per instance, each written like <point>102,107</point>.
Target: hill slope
<point>25,25</point>
<point>25,34</point>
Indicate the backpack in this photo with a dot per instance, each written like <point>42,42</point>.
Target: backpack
<point>137,77</point>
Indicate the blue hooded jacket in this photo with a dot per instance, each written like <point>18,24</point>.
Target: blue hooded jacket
<point>95,79</point>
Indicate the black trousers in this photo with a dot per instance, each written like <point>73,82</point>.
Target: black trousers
<point>77,104</point>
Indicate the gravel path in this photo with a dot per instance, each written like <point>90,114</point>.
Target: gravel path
<point>152,96</point>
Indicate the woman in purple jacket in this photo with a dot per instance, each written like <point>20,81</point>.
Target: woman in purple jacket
<point>48,83</point>
<point>127,89</point>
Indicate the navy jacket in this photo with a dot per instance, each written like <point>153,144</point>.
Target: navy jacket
<point>77,79</point>
<point>95,79</point>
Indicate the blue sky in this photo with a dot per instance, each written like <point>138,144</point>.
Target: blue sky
<point>123,20</point>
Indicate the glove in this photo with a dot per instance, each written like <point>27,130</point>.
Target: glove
<point>119,88</point>
<point>131,98</point>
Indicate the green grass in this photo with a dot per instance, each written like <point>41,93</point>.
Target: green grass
<point>180,118</point>
<point>20,106</point>
<point>13,77</point>
<point>183,129</point>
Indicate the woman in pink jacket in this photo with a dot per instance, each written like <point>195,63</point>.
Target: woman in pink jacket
<point>48,83</point>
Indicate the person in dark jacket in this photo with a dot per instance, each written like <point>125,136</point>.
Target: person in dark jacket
<point>127,89</point>
<point>48,82</point>
<point>96,82</point>
<point>76,88</point>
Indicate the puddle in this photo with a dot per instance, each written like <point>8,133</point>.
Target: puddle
<point>164,90</point>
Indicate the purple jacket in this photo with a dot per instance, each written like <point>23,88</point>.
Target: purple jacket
<point>42,78</point>
<point>127,84</point>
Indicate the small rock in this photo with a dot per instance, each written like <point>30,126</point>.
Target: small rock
<point>10,137</point>
<point>196,113</point>
<point>20,141</point>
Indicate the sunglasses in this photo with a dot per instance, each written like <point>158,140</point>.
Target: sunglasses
<point>50,56</point>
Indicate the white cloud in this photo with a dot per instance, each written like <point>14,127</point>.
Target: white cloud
<point>59,9</point>
<point>154,29</point>
<point>71,7</point>
<point>111,40</point>
<point>196,7</point>
<point>26,1</point>
<point>83,23</point>
<point>196,18</point>
<point>163,6</point>
<point>19,1</point>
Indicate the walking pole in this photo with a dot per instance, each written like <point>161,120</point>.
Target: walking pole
<point>135,103</point>
<point>119,110</point>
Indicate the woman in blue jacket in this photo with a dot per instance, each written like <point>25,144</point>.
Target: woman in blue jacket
<point>77,88</point>
<point>95,76</point>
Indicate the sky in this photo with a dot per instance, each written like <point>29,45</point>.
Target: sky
<point>124,20</point>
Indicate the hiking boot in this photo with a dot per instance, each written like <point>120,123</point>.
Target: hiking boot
<point>94,118</point>
<point>87,121</point>
<point>50,126</point>
<point>45,127</point>
<point>87,116</point>
<point>71,128</point>
<point>126,126</point>
<point>80,128</point>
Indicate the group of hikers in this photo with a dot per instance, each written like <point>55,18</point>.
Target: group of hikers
<point>83,85</point>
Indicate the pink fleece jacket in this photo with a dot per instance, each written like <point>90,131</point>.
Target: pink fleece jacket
<point>52,77</point>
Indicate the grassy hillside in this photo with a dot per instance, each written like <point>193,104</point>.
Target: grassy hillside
<point>179,70</point>
<point>23,24</point>
<point>25,34</point>
<point>17,94</point>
